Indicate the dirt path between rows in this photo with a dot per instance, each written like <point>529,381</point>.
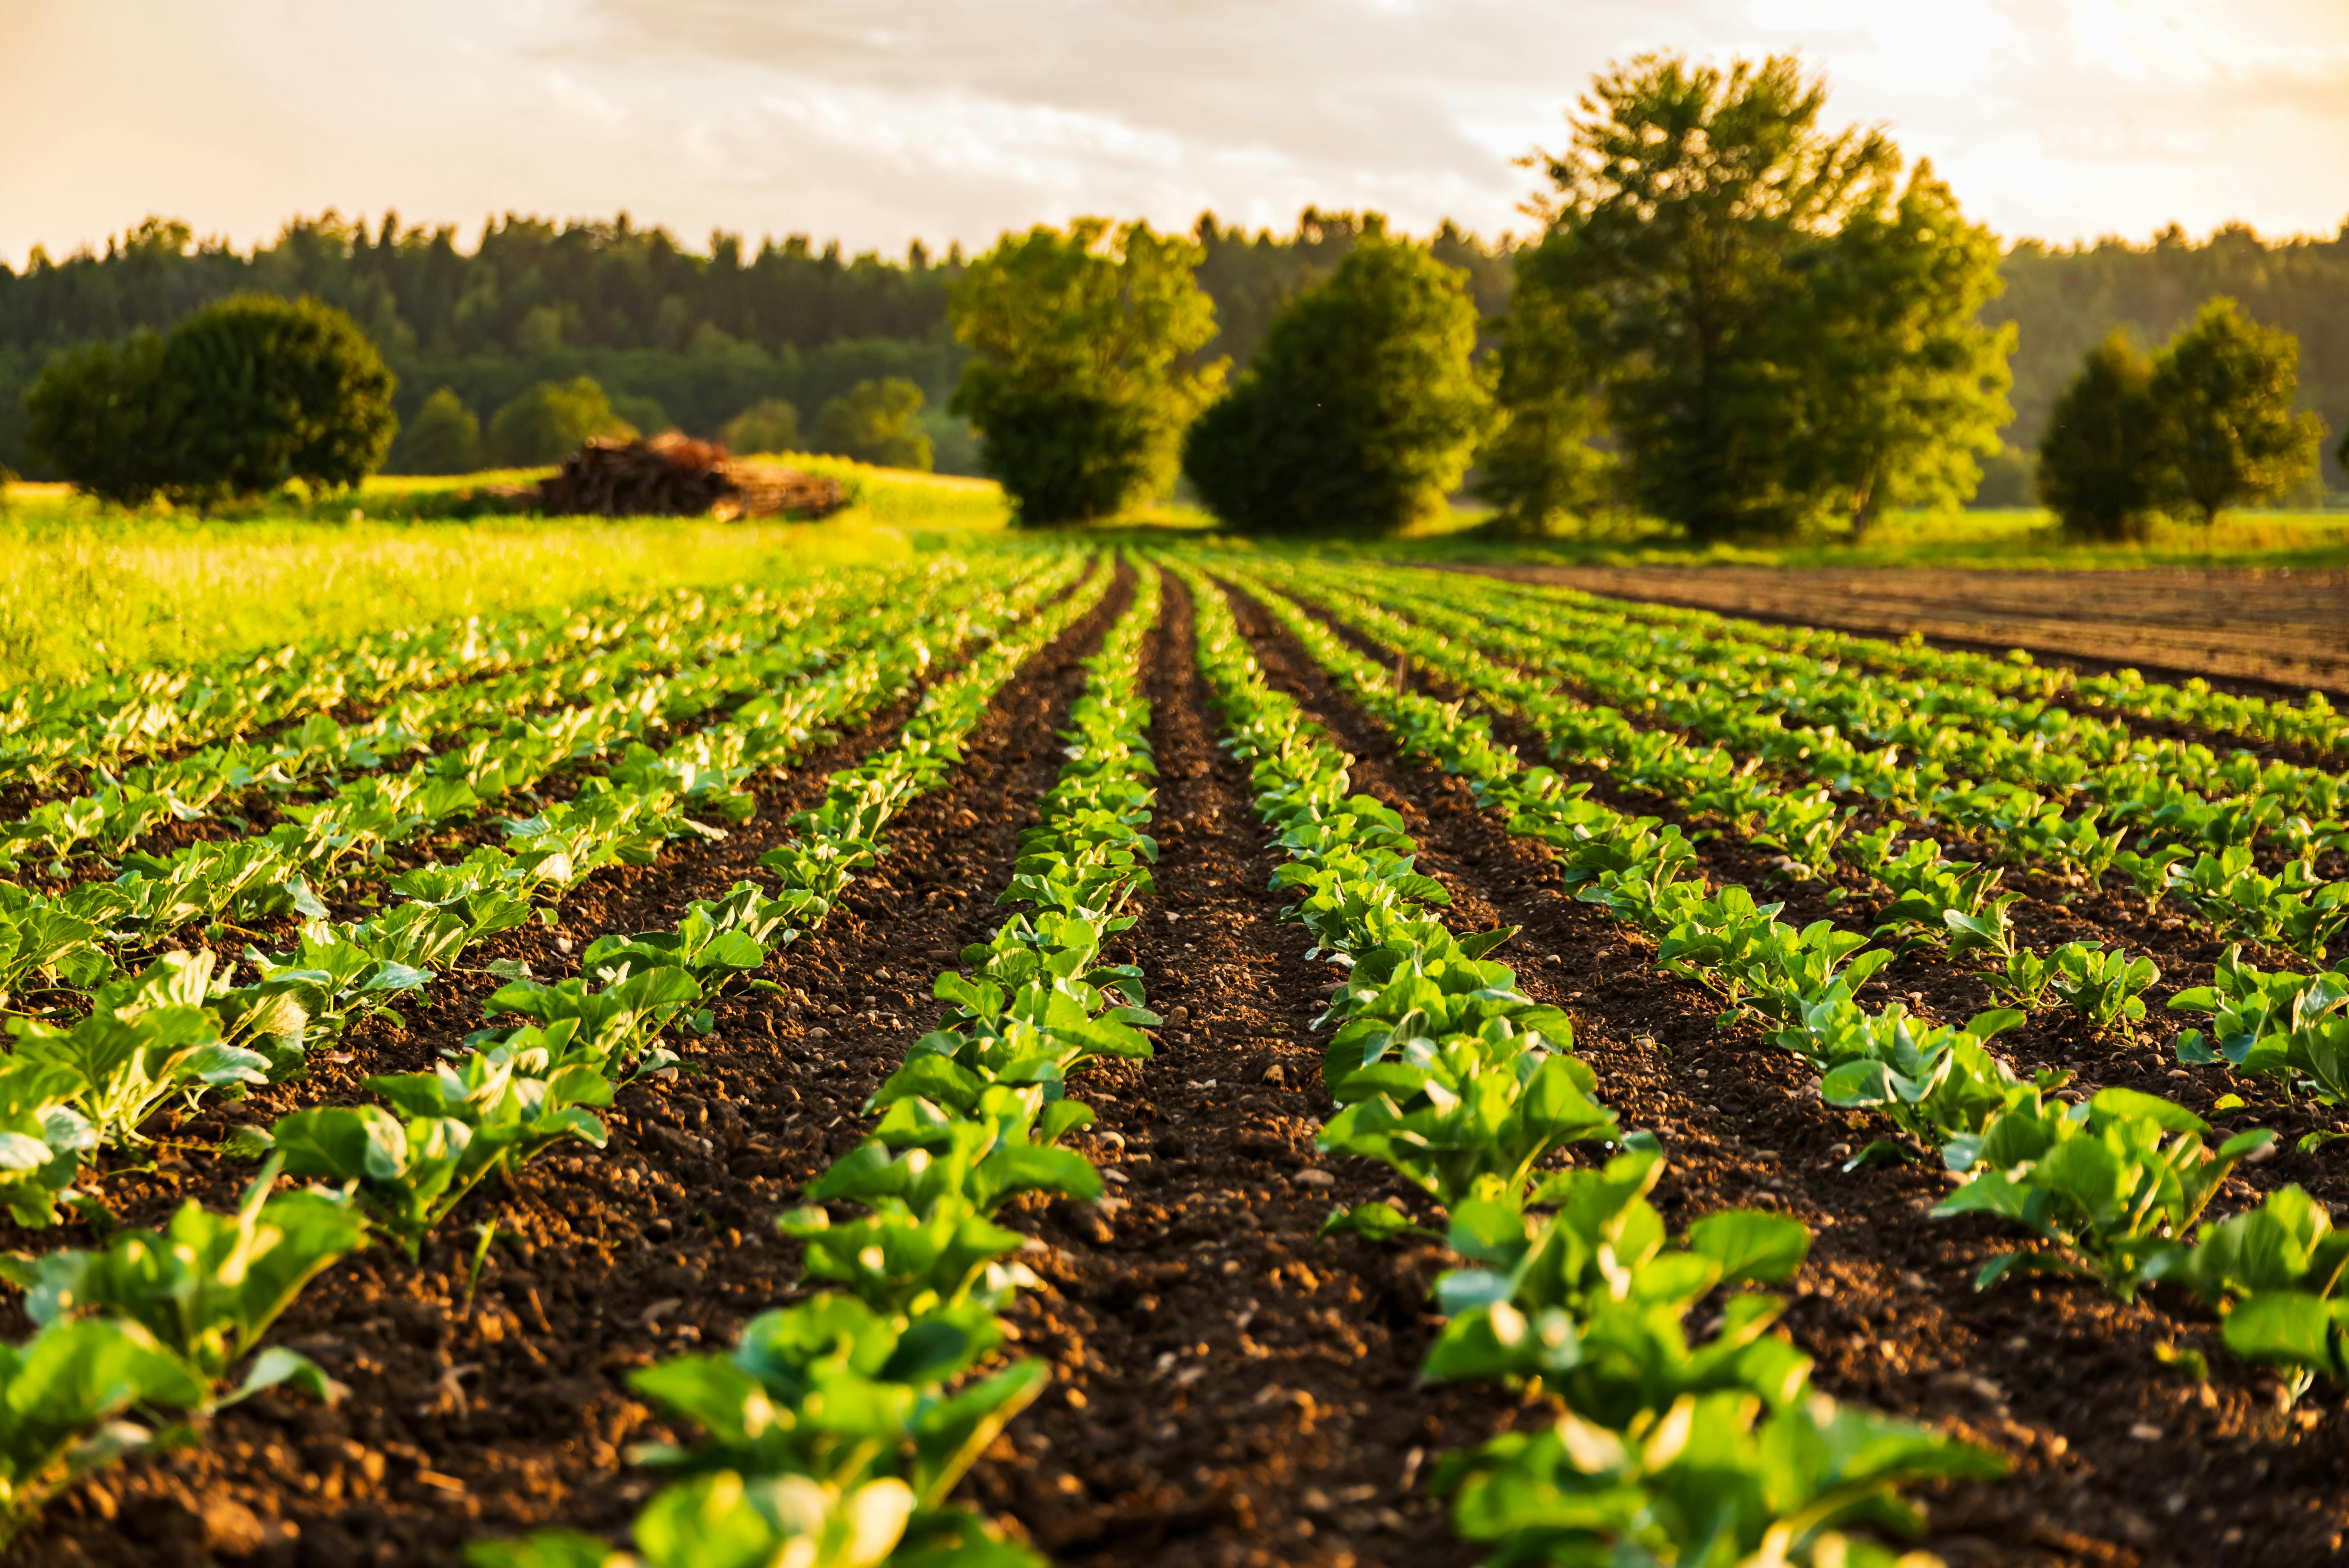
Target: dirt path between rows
<point>2265,631</point>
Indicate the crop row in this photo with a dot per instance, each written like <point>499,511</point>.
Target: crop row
<point>2215,874</point>
<point>2314,722</point>
<point>212,780</point>
<point>1948,725</point>
<point>781,698</point>
<point>1661,1451</point>
<point>834,1432</point>
<point>159,1321</point>
<point>47,727</point>
<point>2110,1186</point>
<point>2290,1026</point>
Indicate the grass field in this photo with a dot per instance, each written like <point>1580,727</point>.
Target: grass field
<point>88,588</point>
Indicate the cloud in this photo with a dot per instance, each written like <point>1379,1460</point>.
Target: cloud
<point>958,119</point>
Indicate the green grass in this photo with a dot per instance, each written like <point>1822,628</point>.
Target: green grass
<point>85,587</point>
<point>86,590</point>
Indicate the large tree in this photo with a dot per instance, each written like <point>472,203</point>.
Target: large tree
<point>1540,466</point>
<point>1361,407</point>
<point>1083,374</point>
<point>2222,393</point>
<point>2100,459</point>
<point>1904,386</point>
<point>1778,329</point>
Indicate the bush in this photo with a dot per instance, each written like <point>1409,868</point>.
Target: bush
<point>1078,384</point>
<point>2099,462</point>
<point>769,425</point>
<point>245,395</point>
<point>261,391</point>
<point>97,416</point>
<point>551,421</point>
<point>445,437</point>
<point>1361,407</point>
<point>1076,457</point>
<point>878,422</point>
<point>2222,390</point>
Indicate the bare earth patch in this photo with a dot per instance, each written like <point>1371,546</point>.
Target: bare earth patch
<point>2283,627</point>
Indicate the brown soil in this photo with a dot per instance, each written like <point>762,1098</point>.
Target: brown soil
<point>2266,632</point>
<point>1228,1389</point>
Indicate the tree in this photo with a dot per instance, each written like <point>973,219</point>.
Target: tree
<point>1538,467</point>
<point>877,422</point>
<point>1904,387</point>
<point>1082,380</point>
<point>1778,331</point>
<point>263,391</point>
<point>445,437</point>
<point>2099,462</point>
<point>97,416</point>
<point>551,421</point>
<point>769,425</point>
<point>2222,393</point>
<point>1361,407</point>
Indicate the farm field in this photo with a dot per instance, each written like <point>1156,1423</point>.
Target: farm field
<point>1150,1053</point>
<point>2286,628</point>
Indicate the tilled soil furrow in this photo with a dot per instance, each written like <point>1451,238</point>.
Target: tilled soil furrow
<point>2218,740</point>
<point>2250,631</point>
<point>1228,1390</point>
<point>514,1411</point>
<point>2118,1458</point>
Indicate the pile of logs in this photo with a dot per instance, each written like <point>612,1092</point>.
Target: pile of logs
<point>675,476</point>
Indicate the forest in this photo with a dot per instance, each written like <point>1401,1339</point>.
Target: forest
<point>694,337</point>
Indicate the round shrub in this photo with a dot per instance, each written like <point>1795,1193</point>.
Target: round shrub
<point>98,418</point>
<point>261,391</point>
<point>1361,411</point>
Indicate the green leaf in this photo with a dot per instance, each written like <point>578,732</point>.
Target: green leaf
<point>1751,1246</point>
<point>2284,1328</point>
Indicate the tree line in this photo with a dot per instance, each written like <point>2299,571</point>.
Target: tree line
<point>1734,317</point>
<point>674,337</point>
<point>254,392</point>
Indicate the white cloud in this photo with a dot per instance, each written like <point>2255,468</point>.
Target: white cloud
<point>958,119</point>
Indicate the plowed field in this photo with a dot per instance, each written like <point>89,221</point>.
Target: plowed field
<point>1227,1388</point>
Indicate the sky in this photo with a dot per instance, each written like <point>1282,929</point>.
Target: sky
<point>879,123</point>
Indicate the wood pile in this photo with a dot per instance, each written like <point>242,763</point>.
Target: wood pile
<point>675,476</point>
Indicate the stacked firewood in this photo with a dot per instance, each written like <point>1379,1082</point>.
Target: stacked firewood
<point>675,476</point>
